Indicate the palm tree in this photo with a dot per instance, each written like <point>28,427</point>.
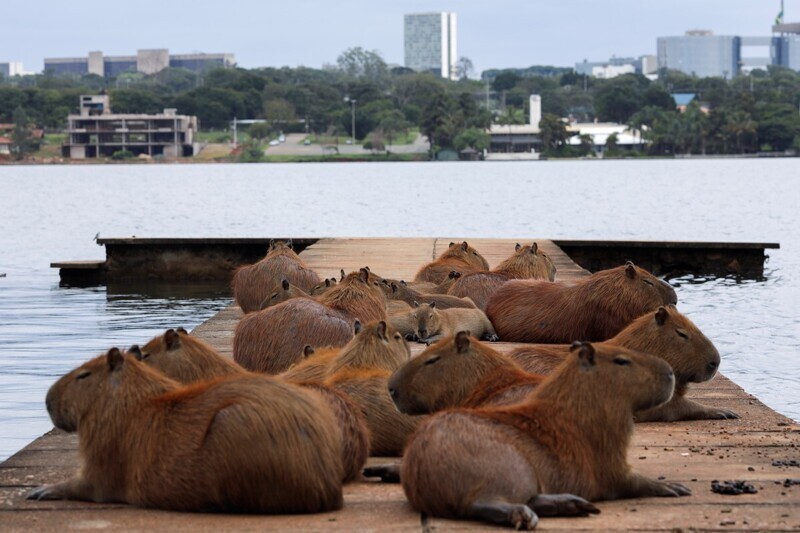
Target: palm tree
<point>739,124</point>
<point>511,115</point>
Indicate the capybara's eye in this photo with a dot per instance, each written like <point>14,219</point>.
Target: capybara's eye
<point>621,361</point>
<point>648,282</point>
<point>432,360</point>
<point>682,333</point>
<point>84,374</point>
<point>397,337</point>
<point>274,295</point>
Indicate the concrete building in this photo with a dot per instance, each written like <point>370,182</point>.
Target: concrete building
<point>701,53</point>
<point>430,43</point>
<point>12,68</point>
<point>97,132</point>
<point>145,61</point>
<point>517,138</point>
<point>617,66</point>
<point>599,132</point>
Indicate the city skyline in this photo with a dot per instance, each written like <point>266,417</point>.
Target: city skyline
<point>504,34</point>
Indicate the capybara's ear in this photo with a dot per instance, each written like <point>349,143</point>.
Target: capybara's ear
<point>271,244</point>
<point>172,340</point>
<point>381,329</point>
<point>462,341</point>
<point>363,275</point>
<point>433,304</point>
<point>517,247</point>
<point>289,243</point>
<point>114,359</point>
<point>182,330</point>
<point>586,355</point>
<point>308,350</point>
<point>394,287</point>
<point>534,248</point>
<point>136,352</point>
<point>662,315</point>
<point>403,283</point>
<point>464,246</point>
<point>451,244</point>
<point>630,270</point>
<point>575,345</point>
<point>327,282</point>
<point>416,303</point>
<point>357,326</point>
<point>285,284</point>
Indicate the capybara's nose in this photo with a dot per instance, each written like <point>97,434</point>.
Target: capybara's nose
<point>712,366</point>
<point>423,333</point>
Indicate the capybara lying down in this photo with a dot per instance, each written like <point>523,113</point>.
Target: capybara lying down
<point>400,291</point>
<point>273,339</point>
<point>282,292</point>
<point>460,257</point>
<point>564,446</point>
<point>594,308</point>
<point>240,444</point>
<point>252,284</point>
<point>427,323</point>
<point>528,262</point>
<point>665,333</point>
<point>187,359</point>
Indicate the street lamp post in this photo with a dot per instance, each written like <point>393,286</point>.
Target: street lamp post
<point>352,118</point>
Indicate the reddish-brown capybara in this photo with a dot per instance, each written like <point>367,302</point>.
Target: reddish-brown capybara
<point>527,262</point>
<point>322,286</point>
<point>665,333</point>
<point>187,359</point>
<point>430,323</point>
<point>254,283</point>
<point>459,371</point>
<point>313,367</point>
<point>273,339</point>
<point>237,444</point>
<point>460,257</point>
<point>594,308</point>
<point>566,444</point>
<point>375,345</point>
<point>402,292</point>
<point>282,292</point>
<point>426,287</point>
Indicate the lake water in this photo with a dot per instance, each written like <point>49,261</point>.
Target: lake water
<point>52,213</point>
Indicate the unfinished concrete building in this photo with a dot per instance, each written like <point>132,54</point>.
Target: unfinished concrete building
<point>97,132</point>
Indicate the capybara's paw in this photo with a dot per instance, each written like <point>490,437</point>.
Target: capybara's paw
<point>411,337</point>
<point>671,489</point>
<point>562,505</point>
<point>387,473</point>
<point>491,338</point>
<point>523,518</point>
<point>721,414</point>
<point>46,492</point>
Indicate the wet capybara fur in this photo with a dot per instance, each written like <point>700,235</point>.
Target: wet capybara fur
<point>528,262</point>
<point>282,292</point>
<point>187,359</point>
<point>239,444</point>
<point>460,257</point>
<point>665,333</point>
<point>252,284</point>
<point>273,339</point>
<point>458,371</point>
<point>594,308</point>
<point>566,444</point>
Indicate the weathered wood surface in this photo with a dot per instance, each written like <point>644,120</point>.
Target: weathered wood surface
<point>694,453</point>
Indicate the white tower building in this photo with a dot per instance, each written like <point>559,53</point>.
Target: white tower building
<point>430,43</point>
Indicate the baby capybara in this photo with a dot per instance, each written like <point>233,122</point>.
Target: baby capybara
<point>460,257</point>
<point>252,284</point>
<point>187,359</point>
<point>240,444</point>
<point>594,308</point>
<point>569,438</point>
<point>665,333</point>
<point>429,323</point>
<point>528,262</point>
<point>273,339</point>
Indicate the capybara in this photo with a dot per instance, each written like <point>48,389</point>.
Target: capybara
<point>665,333</point>
<point>273,339</point>
<point>566,444</point>
<point>282,292</point>
<point>401,291</point>
<point>375,345</point>
<point>458,371</point>
<point>322,286</point>
<point>253,283</point>
<point>431,323</point>
<point>528,262</point>
<point>187,359</point>
<point>313,367</point>
<point>426,287</point>
<point>594,308</point>
<point>460,257</point>
<point>239,444</point>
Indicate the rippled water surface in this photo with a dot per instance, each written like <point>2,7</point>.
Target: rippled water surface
<point>52,213</point>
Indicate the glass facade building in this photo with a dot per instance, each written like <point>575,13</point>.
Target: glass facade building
<point>700,55</point>
<point>430,43</point>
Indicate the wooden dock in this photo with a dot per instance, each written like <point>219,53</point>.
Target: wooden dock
<point>694,453</point>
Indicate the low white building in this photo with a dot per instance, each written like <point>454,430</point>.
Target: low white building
<point>627,138</point>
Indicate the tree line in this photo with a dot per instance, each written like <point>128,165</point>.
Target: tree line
<point>748,113</point>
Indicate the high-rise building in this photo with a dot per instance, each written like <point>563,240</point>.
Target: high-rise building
<point>430,43</point>
<point>700,53</point>
<point>13,68</point>
<point>145,61</point>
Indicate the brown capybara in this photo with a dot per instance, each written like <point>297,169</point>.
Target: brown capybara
<point>282,292</point>
<point>187,359</point>
<point>253,283</point>
<point>313,367</point>
<point>566,444</point>
<point>459,371</point>
<point>594,308</point>
<point>430,323</point>
<point>460,257</point>
<point>273,339</point>
<point>322,286</point>
<point>528,262</point>
<point>665,333</point>
<point>426,287</point>
<point>375,345</point>
<point>238,444</point>
<point>401,291</point>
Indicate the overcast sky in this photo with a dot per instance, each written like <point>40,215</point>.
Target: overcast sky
<point>493,33</point>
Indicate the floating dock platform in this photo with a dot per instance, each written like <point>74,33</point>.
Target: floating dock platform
<point>759,448</point>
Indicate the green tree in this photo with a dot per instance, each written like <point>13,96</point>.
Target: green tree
<point>612,142</point>
<point>393,123</point>
<point>22,142</point>
<point>359,63</point>
<point>279,111</point>
<point>260,131</point>
<point>505,80</point>
<point>740,125</point>
<point>464,68</point>
<point>553,132</point>
<point>619,98</point>
<point>587,144</point>
<point>509,117</point>
<point>474,138</point>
